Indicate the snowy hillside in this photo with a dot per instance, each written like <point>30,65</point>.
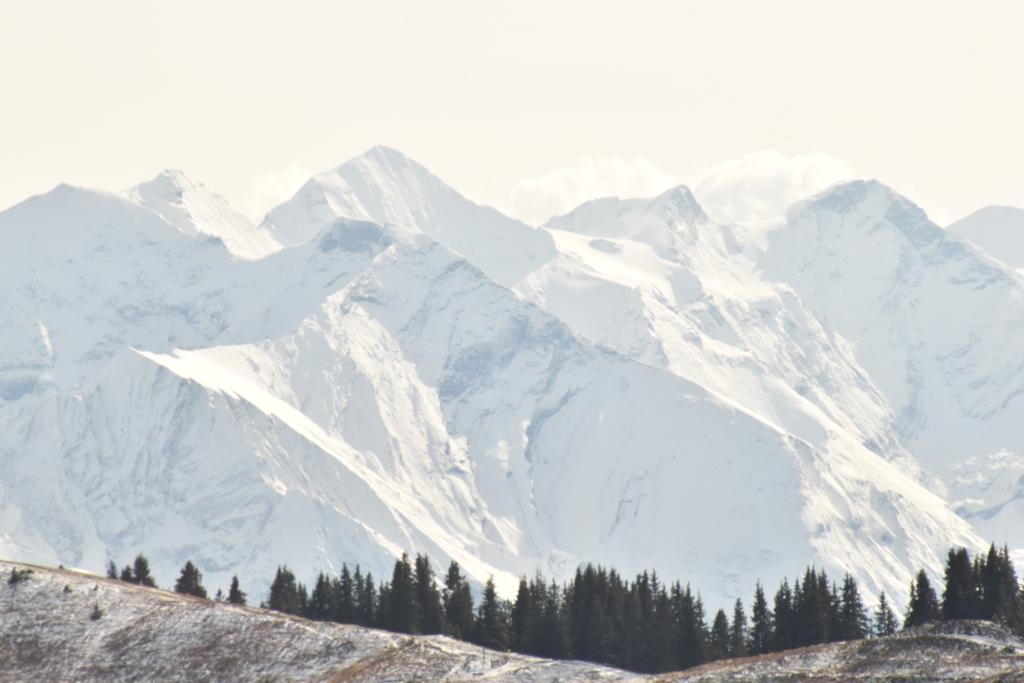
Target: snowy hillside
<point>633,384</point>
<point>149,635</point>
<point>952,651</point>
<point>54,632</point>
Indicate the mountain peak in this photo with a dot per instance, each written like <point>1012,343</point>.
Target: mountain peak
<point>681,200</point>
<point>193,209</point>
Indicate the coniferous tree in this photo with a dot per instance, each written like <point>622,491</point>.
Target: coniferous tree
<point>960,599</point>
<point>720,636</point>
<point>382,617</point>
<point>458,603</point>
<point>1000,591</point>
<point>235,594</point>
<point>343,590</point>
<point>551,628</point>
<point>190,581</point>
<point>522,619</point>
<point>490,628</point>
<point>835,605</point>
<point>366,599</point>
<point>853,620</point>
<point>631,635</point>
<point>760,623</point>
<point>885,623</point>
<point>321,607</point>
<point>428,597</point>
<point>285,594</point>
<point>403,607</point>
<point>126,574</point>
<point>111,570</point>
<point>782,634</point>
<point>923,606</point>
<point>692,630</point>
<point>140,572</point>
<point>739,634</point>
<point>812,608</point>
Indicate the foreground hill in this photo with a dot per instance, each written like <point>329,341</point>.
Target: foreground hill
<point>53,632</point>
<point>145,634</point>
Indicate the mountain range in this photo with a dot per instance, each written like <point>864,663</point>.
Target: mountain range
<point>382,365</point>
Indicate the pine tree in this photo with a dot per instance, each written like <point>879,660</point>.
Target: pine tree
<point>664,654</point>
<point>491,629</point>
<point>522,619</point>
<point>344,597</point>
<point>782,634</point>
<point>458,603</point>
<point>190,581</point>
<point>111,570</point>
<point>720,636</point>
<point>551,629</point>
<point>126,574</point>
<point>923,606</point>
<point>320,607</point>
<point>885,619</point>
<point>693,646</point>
<point>140,572</point>
<point>235,594</point>
<point>999,589</point>
<point>428,597</point>
<point>365,594</point>
<point>960,598</point>
<point>285,595</point>
<point>382,609</point>
<point>760,623</point>
<point>853,620</point>
<point>813,608</point>
<point>403,607</point>
<point>740,633</point>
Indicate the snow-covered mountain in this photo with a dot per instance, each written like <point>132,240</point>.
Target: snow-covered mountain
<point>633,384</point>
<point>999,230</point>
<point>936,323</point>
<point>195,210</point>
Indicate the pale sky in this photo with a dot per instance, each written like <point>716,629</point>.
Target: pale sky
<point>524,105</point>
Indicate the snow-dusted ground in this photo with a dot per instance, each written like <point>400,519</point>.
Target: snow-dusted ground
<point>955,651</point>
<point>148,635</point>
<point>633,384</point>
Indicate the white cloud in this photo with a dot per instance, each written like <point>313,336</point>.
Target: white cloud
<point>537,199</point>
<point>762,185</point>
<point>270,189</point>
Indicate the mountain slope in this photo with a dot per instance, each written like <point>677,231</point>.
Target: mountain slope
<point>999,230</point>
<point>419,373</point>
<point>195,210</point>
<point>384,186</point>
<point>936,324</point>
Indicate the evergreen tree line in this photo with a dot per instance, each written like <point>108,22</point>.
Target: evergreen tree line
<point>983,588</point>
<point>642,625</point>
<point>190,581</point>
